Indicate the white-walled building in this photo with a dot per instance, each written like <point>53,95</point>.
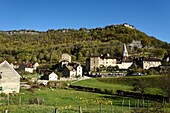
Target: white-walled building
<point>9,79</point>
<point>35,65</point>
<point>150,62</point>
<point>79,71</point>
<point>53,76</point>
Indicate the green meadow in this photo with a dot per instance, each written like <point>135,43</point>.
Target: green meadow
<point>67,100</point>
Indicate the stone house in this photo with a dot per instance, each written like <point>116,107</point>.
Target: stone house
<point>150,62</point>
<point>69,71</point>
<point>64,61</point>
<point>9,79</point>
<point>165,67</point>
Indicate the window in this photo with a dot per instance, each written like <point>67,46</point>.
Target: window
<point>0,88</point>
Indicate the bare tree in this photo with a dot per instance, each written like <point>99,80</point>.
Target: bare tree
<point>165,84</point>
<point>139,85</point>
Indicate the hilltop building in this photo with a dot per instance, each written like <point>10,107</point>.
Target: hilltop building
<point>128,26</point>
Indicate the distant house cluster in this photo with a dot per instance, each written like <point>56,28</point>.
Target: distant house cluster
<point>29,67</point>
<point>95,62</point>
<point>68,68</point>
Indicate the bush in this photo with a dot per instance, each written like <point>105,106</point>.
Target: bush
<point>56,84</point>
<point>31,90</point>
<point>3,95</point>
<point>36,100</point>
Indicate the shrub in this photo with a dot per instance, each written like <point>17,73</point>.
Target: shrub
<point>3,95</point>
<point>31,90</point>
<point>36,100</point>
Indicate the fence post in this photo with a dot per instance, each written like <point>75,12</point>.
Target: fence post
<point>122,105</point>
<point>143,103</point>
<point>6,111</point>
<point>138,104</point>
<point>100,107</point>
<point>38,101</point>
<point>80,110</point>
<point>56,110</point>
<point>112,107</point>
<point>135,103</point>
<point>148,103</point>
<point>8,99</point>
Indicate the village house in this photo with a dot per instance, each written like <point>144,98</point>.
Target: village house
<point>15,65</point>
<point>69,71</point>
<point>65,59</point>
<point>73,70</point>
<point>51,76</point>
<point>150,62</point>
<point>35,66</point>
<point>9,79</point>
<point>79,70</point>
<point>165,67</point>
<point>29,67</point>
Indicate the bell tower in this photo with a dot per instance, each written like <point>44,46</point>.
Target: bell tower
<point>124,52</point>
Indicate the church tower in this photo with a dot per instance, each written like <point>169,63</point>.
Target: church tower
<point>124,52</point>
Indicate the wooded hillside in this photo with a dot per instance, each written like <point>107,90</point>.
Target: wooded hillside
<point>30,45</point>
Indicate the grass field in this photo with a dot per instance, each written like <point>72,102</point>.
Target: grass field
<point>65,101</point>
<point>69,100</point>
<point>122,83</point>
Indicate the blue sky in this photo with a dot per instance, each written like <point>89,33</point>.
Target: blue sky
<point>149,16</point>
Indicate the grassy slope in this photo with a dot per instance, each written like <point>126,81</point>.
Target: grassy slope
<point>103,85</point>
<point>122,83</point>
<point>68,100</point>
<point>65,101</point>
